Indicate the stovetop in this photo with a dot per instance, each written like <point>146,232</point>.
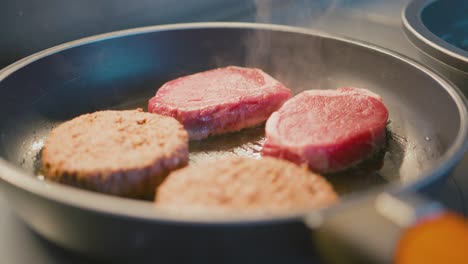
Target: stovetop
<point>373,21</point>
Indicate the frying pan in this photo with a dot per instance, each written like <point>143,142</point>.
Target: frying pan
<point>121,70</point>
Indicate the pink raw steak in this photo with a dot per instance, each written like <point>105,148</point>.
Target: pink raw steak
<point>328,130</point>
<point>220,101</point>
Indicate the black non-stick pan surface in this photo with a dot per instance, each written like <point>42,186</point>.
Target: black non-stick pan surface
<point>122,70</point>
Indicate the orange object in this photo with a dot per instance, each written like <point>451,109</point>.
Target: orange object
<point>440,239</point>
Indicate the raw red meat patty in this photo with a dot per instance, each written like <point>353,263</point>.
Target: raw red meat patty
<point>221,100</point>
<point>241,184</point>
<point>329,130</point>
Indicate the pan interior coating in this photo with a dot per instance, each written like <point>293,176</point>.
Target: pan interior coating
<point>124,72</point>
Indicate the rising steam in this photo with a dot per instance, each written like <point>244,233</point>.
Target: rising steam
<point>292,59</point>
<point>301,13</point>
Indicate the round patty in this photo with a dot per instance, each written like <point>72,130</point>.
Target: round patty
<point>124,153</point>
<point>220,101</point>
<point>267,185</point>
<point>328,130</point>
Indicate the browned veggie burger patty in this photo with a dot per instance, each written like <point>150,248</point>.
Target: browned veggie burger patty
<point>267,184</point>
<point>124,153</point>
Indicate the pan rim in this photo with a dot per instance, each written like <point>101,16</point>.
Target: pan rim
<point>427,42</point>
<point>121,207</point>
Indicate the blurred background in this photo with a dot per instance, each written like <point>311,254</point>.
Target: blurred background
<point>28,26</point>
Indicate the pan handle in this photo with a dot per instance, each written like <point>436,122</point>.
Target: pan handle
<point>386,228</point>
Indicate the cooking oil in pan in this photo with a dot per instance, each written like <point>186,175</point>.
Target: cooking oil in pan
<point>383,168</point>
<point>380,169</point>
